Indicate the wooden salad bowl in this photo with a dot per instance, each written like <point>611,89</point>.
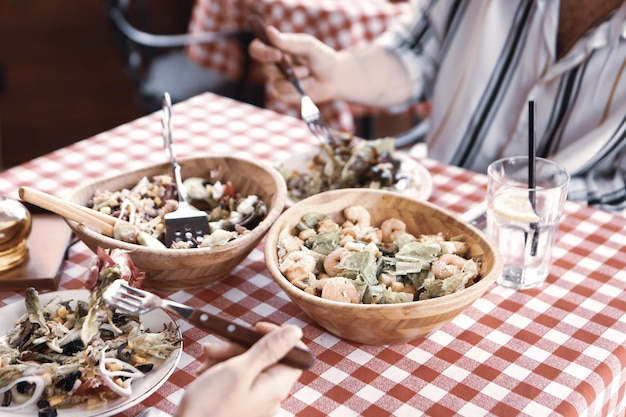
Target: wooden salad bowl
<point>173,269</point>
<point>381,324</point>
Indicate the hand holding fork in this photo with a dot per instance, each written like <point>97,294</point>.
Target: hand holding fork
<point>309,112</point>
<point>133,300</point>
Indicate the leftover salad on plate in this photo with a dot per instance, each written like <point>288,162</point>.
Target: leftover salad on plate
<point>350,162</point>
<point>80,353</point>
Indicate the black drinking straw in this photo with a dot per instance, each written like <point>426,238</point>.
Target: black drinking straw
<point>532,182</point>
<point>532,153</point>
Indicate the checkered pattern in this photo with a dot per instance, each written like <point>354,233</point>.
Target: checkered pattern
<point>339,24</point>
<point>560,350</point>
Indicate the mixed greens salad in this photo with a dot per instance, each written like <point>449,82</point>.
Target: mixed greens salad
<point>349,162</point>
<point>143,207</point>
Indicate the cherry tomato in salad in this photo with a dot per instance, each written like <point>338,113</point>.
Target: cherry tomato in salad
<point>91,386</point>
<point>229,190</point>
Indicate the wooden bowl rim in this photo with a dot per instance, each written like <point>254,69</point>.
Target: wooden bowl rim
<point>474,292</point>
<point>280,199</point>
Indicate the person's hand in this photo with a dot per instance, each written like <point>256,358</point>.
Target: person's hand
<point>235,382</point>
<point>366,74</point>
<point>313,62</point>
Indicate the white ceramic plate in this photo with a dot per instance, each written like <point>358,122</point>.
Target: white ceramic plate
<point>419,187</point>
<point>142,388</point>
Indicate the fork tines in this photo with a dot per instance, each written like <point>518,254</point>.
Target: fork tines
<point>322,130</point>
<point>310,113</point>
<point>123,304</point>
<point>126,298</point>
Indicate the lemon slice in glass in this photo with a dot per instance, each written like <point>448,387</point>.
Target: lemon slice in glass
<point>514,205</point>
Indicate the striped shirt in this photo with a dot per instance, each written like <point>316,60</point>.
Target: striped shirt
<point>480,61</point>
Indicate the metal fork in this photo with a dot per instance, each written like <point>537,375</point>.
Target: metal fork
<point>133,300</point>
<point>309,112</point>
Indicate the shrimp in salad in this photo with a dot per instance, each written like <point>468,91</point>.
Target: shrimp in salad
<point>340,260</point>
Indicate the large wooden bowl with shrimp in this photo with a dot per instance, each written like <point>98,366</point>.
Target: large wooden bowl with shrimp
<point>173,269</point>
<point>381,324</point>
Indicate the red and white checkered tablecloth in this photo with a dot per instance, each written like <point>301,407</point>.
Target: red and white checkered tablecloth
<point>560,350</point>
<point>338,23</point>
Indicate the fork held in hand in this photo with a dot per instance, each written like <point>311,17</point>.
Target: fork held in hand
<point>309,112</point>
<point>137,301</point>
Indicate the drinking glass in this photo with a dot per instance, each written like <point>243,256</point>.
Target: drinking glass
<point>523,221</point>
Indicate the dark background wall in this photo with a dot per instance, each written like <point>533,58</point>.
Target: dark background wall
<point>61,78</point>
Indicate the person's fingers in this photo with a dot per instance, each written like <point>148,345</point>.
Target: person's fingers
<point>271,72</point>
<point>222,350</point>
<point>280,43</point>
<point>299,44</point>
<point>280,377</point>
<point>265,327</point>
<point>271,348</point>
<point>275,382</point>
<point>219,351</point>
<point>204,366</point>
<point>216,352</point>
<point>284,92</point>
<point>277,376</point>
<point>264,53</point>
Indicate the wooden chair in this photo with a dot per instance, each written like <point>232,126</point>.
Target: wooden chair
<point>158,62</point>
